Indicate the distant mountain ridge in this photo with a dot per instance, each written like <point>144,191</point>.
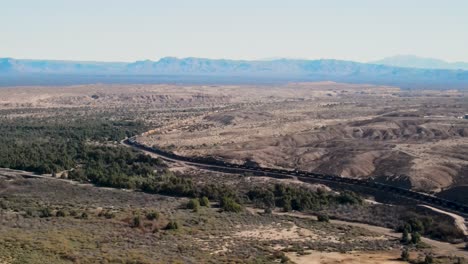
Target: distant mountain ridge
<point>10,65</point>
<point>411,61</point>
<point>213,70</point>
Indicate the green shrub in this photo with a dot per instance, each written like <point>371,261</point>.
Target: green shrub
<point>84,215</point>
<point>415,238</point>
<point>405,254</point>
<point>29,213</point>
<point>172,225</point>
<point>108,214</point>
<point>136,222</point>
<point>323,218</point>
<point>428,259</point>
<point>193,204</point>
<point>436,228</point>
<point>348,197</point>
<point>152,215</point>
<point>263,197</point>
<point>204,201</point>
<point>405,239</point>
<point>3,205</point>
<point>45,212</point>
<point>228,204</point>
<point>287,205</point>
<point>299,198</point>
<point>60,213</point>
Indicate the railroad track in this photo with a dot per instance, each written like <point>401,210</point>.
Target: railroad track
<point>222,166</point>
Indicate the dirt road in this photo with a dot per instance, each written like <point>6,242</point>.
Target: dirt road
<point>460,221</point>
<point>442,248</point>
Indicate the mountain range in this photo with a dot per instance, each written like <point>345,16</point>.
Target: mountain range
<point>170,69</point>
<point>411,61</point>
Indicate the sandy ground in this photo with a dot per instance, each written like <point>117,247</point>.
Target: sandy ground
<point>293,233</point>
<point>315,257</point>
<point>442,248</point>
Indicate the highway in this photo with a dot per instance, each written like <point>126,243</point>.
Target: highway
<point>222,166</point>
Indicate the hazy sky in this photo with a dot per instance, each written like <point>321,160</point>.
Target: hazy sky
<point>128,30</point>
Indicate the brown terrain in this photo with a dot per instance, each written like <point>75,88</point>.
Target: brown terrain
<point>413,139</point>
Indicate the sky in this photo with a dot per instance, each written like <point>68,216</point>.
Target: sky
<point>124,30</point>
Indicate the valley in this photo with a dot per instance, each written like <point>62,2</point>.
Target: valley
<point>103,201</point>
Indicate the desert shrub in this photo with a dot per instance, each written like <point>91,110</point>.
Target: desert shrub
<point>348,197</point>
<point>281,257</point>
<point>73,213</point>
<point>440,229</point>
<point>415,238</point>
<point>3,204</point>
<point>428,259</point>
<point>84,215</point>
<point>107,214</point>
<point>228,204</point>
<point>444,231</point>
<point>267,210</point>
<point>286,205</point>
<point>217,191</point>
<point>323,218</point>
<point>264,197</point>
<point>204,201</point>
<point>299,198</point>
<point>405,238</point>
<point>193,204</point>
<point>169,184</point>
<point>45,212</point>
<point>136,222</point>
<point>29,213</point>
<point>284,259</point>
<point>405,255</point>
<point>60,213</point>
<point>417,225</point>
<point>152,215</point>
<point>172,225</point>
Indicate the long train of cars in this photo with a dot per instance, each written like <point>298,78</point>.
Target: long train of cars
<point>220,165</point>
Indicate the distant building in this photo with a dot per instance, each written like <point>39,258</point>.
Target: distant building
<point>466,116</point>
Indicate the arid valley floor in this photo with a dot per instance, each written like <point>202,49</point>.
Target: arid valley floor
<point>60,214</point>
